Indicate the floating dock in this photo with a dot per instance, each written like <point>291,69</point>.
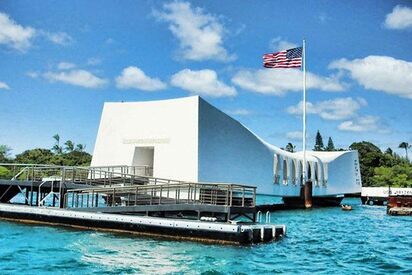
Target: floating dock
<point>117,199</point>
<point>216,232</point>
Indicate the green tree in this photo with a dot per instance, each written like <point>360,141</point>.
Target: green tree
<point>69,146</point>
<point>4,153</point>
<point>370,157</point>
<point>5,173</point>
<point>80,147</point>
<point>35,156</point>
<point>318,142</point>
<point>331,146</point>
<point>57,149</point>
<point>396,176</point>
<point>290,147</point>
<point>382,176</point>
<point>77,158</point>
<point>405,146</point>
<point>389,151</point>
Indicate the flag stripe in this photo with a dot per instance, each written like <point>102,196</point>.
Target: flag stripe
<point>291,58</point>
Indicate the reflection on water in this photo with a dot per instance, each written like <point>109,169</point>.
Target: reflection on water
<point>148,256</point>
<point>325,240</point>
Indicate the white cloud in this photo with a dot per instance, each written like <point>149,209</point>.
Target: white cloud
<point>32,74</point>
<point>14,35</point>
<point>93,61</point>
<point>279,82</point>
<point>80,78</point>
<point>203,82</point>
<point>20,38</point>
<point>65,66</point>
<point>134,78</point>
<point>295,135</point>
<point>363,124</point>
<point>335,109</point>
<point>60,38</point>
<point>400,18</point>
<point>4,86</point>
<point>278,44</point>
<point>200,34</point>
<point>381,73</point>
<point>239,112</point>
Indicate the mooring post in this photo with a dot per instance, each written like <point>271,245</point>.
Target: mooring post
<point>307,191</point>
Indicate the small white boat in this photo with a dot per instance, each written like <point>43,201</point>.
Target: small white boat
<point>346,207</point>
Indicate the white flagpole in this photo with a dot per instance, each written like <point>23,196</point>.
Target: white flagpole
<point>304,112</point>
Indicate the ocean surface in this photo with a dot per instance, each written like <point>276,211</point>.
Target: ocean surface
<point>321,241</point>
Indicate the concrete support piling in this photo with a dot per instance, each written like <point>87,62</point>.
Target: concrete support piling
<point>308,194</point>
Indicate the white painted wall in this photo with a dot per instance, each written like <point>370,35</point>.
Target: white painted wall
<point>228,152</point>
<point>194,141</point>
<point>170,126</point>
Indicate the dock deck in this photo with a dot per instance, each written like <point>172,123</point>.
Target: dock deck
<point>112,198</point>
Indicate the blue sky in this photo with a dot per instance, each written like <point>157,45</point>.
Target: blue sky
<point>60,61</point>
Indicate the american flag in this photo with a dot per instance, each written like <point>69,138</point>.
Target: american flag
<point>291,58</point>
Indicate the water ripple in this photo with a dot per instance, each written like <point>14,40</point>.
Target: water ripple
<point>321,241</point>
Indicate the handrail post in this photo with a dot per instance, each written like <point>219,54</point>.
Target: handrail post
<point>160,195</point>
<point>243,197</point>
<point>194,195</point>
<point>231,195</point>
<point>135,198</point>
<point>254,197</point>
<point>189,194</point>
<point>227,195</point>
<point>65,200</point>
<point>114,193</point>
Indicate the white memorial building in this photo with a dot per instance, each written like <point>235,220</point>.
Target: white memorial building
<point>189,139</point>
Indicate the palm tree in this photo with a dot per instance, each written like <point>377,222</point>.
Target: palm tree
<point>57,148</point>
<point>405,146</point>
<point>69,146</point>
<point>80,147</point>
<point>4,153</point>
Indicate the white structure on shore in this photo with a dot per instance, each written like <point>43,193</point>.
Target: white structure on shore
<point>189,139</point>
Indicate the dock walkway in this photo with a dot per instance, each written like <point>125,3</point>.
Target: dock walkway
<point>132,193</point>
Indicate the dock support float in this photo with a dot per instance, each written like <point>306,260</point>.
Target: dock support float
<point>194,230</point>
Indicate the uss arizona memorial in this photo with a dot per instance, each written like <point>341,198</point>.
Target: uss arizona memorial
<point>190,140</point>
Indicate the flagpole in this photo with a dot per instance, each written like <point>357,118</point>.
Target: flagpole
<point>304,112</point>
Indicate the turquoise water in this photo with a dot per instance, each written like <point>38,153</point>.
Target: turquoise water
<point>326,240</point>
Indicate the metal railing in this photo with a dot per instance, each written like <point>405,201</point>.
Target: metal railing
<point>182,193</point>
<point>102,175</point>
<point>142,170</point>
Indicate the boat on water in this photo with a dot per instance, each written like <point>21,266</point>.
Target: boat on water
<point>346,207</point>
<point>380,195</point>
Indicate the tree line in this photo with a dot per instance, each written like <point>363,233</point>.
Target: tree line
<point>66,154</point>
<point>319,146</point>
<point>383,168</point>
